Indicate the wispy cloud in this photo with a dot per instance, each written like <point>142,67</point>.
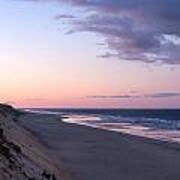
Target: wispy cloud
<point>64,16</point>
<point>34,99</point>
<point>163,95</point>
<point>129,96</point>
<point>113,97</point>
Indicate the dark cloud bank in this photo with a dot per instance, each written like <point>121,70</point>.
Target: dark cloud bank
<point>127,96</point>
<point>143,30</point>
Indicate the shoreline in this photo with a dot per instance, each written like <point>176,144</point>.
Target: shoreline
<point>164,135</point>
<point>90,153</point>
<point>163,143</point>
<point>70,151</point>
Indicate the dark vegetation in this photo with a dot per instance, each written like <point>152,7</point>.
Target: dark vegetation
<point>48,175</point>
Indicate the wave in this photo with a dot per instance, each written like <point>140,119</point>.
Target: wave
<point>165,129</point>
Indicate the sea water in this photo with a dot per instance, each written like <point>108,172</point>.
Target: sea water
<point>161,124</point>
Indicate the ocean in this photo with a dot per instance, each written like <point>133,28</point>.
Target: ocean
<point>160,124</point>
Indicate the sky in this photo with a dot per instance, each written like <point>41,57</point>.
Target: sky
<point>90,53</point>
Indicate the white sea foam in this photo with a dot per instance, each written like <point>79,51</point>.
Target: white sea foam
<point>155,128</point>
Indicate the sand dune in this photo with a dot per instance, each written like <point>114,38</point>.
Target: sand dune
<point>22,157</point>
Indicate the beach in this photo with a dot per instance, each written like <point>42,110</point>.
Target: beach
<point>77,152</point>
<point>88,153</point>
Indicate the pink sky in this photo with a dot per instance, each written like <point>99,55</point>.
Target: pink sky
<point>41,66</point>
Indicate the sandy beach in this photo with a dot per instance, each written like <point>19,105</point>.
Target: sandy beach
<point>42,147</point>
<point>87,153</point>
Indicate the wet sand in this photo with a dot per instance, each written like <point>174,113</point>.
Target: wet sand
<point>86,153</point>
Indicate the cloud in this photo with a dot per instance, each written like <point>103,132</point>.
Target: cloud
<point>134,30</point>
<point>64,16</point>
<point>34,99</point>
<point>113,97</point>
<point>163,95</point>
<point>129,96</point>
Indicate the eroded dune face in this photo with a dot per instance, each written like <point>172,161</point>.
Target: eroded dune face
<point>4,110</point>
<point>17,160</point>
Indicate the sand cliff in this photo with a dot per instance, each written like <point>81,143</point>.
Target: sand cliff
<point>21,156</point>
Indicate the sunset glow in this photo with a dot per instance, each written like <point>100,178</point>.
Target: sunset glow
<point>45,64</point>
